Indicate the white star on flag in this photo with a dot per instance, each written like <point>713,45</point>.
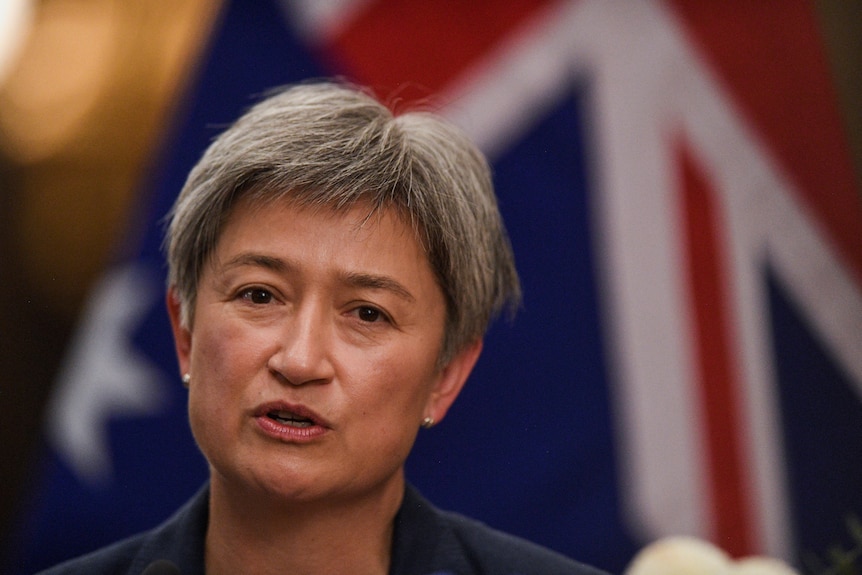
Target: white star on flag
<point>104,376</point>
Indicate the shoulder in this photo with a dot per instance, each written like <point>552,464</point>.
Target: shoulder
<point>180,540</point>
<point>428,540</point>
<point>116,558</point>
<point>496,552</point>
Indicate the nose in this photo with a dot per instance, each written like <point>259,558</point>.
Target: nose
<point>303,351</point>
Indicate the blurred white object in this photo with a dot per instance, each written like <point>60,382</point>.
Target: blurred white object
<point>691,556</point>
<point>762,566</point>
<point>680,556</point>
<point>16,17</point>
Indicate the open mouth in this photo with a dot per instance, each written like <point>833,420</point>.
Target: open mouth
<point>289,418</point>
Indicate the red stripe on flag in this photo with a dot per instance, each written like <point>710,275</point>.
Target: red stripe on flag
<point>730,500</point>
<point>771,57</point>
<point>413,49</point>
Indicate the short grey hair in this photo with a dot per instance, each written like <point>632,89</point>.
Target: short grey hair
<point>331,144</point>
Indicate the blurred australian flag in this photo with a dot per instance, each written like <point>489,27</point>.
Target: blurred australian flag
<point>679,189</point>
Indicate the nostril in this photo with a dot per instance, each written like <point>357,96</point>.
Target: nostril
<point>296,374</point>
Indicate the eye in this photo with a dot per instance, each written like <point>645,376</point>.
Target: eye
<point>369,314</point>
<point>256,295</point>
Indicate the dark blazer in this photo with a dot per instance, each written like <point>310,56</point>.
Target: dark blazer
<point>426,541</point>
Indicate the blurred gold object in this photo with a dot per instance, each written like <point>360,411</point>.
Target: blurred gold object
<point>59,80</point>
<point>15,19</point>
<point>80,117</point>
<point>83,108</point>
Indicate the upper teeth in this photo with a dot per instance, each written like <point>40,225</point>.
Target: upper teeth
<point>291,418</point>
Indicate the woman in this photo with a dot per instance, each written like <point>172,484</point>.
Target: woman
<point>332,271</point>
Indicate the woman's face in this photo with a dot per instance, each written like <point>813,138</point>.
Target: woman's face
<point>313,351</point>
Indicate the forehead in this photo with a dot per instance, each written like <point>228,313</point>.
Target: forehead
<point>358,238</point>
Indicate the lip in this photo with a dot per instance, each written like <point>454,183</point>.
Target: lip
<point>316,427</point>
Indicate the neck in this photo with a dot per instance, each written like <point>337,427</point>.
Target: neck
<point>257,534</point>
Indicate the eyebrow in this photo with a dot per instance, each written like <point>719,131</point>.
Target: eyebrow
<point>259,260</point>
<point>352,279</point>
<point>378,282</point>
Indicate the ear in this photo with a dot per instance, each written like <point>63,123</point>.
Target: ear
<point>451,380</point>
<point>182,335</point>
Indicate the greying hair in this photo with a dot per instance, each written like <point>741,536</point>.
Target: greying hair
<point>332,145</point>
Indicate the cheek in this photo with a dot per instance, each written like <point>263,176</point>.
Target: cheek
<point>400,383</point>
<point>223,351</point>
<point>400,390</point>
<point>221,361</point>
